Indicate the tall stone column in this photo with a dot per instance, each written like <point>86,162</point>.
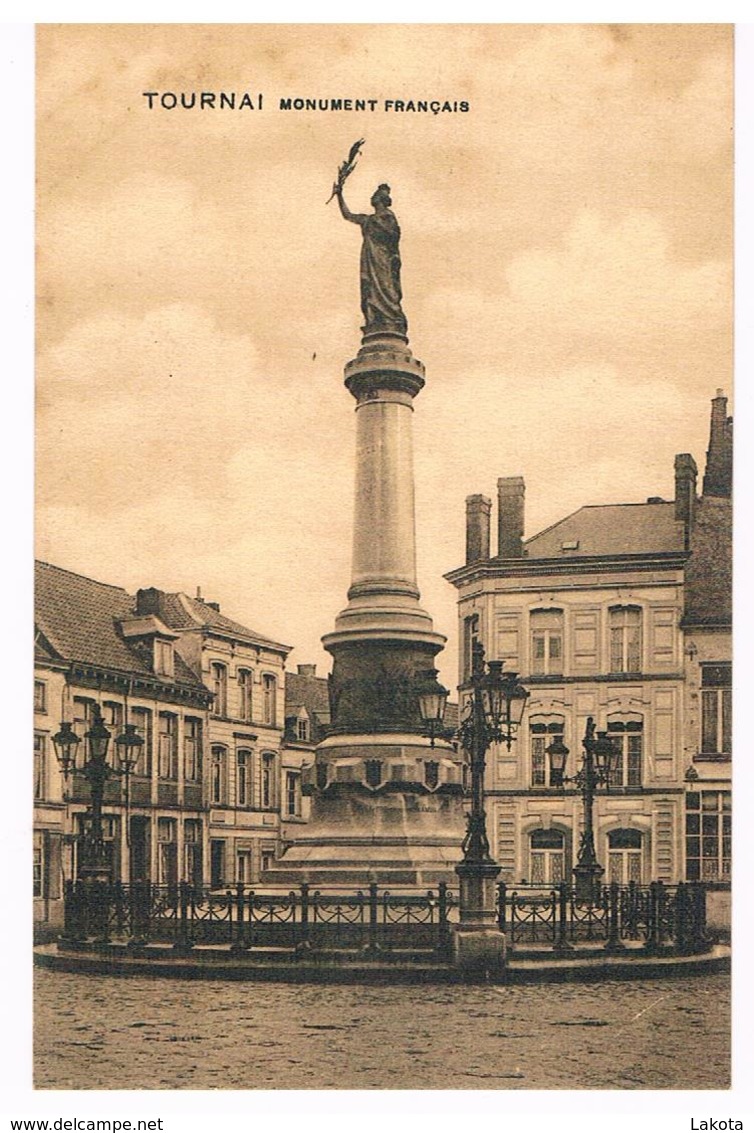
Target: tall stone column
<point>386,804</point>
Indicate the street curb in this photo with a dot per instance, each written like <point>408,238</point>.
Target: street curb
<point>117,962</point>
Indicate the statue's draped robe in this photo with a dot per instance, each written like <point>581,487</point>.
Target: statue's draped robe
<point>381,273</point>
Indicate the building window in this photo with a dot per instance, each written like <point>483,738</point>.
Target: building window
<point>40,752</point>
<point>624,856</point>
<point>470,636</point>
<point>192,749</point>
<point>268,857</point>
<point>302,730</point>
<point>40,696</point>
<point>268,780</point>
<point>542,734</point>
<point>627,738</point>
<point>219,764</point>
<point>243,866</point>
<point>270,698</point>
<point>163,658</point>
<point>244,768</point>
<point>167,766</point>
<point>547,642</point>
<point>292,794</point>
<point>244,695</point>
<point>219,678</point>
<point>141,718</point>
<point>625,639</point>
<point>38,863</point>
<point>167,858</point>
<point>192,852</point>
<point>217,862</point>
<point>708,835</point>
<point>716,710</point>
<point>547,857</point>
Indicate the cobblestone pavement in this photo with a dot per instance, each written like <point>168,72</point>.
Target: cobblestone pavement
<point>92,1032</point>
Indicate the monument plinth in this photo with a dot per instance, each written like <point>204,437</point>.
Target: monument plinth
<point>386,801</point>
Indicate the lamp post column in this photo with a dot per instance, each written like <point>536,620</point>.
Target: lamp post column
<point>588,872</point>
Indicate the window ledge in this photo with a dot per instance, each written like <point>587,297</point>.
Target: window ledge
<point>712,757</point>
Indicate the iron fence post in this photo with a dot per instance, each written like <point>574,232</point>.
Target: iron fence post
<point>613,942</point>
<point>373,908</point>
<point>443,924</point>
<point>501,899</point>
<point>561,939</point>
<point>652,918</point>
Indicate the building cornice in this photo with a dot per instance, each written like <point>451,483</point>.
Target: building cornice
<point>584,565</point>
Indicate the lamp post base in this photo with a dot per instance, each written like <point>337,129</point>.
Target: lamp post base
<point>477,895</point>
<point>587,882</point>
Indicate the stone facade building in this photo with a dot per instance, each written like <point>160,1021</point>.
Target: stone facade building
<point>620,612</point>
<point>207,697</point>
<point>94,647</point>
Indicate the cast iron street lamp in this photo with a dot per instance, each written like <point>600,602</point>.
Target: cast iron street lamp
<point>433,699</point>
<point>600,756</point>
<point>495,709</point>
<point>95,865</point>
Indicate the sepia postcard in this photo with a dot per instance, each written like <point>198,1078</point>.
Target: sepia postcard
<point>418,339</point>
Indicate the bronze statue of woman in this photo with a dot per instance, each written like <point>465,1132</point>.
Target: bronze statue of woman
<point>380,263</point>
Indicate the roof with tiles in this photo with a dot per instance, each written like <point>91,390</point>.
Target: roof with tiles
<point>610,529</point>
<point>78,618</point>
<point>181,612</point>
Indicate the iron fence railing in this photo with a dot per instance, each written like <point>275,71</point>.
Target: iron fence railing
<point>368,920</point>
<point>657,916</point>
<point>372,920</point>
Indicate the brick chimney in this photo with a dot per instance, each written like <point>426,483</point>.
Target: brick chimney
<point>307,670</point>
<point>510,517</point>
<point>478,509</point>
<point>148,601</point>
<point>718,473</point>
<point>685,492</point>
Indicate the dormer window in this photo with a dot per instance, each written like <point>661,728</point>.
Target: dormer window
<point>303,732</point>
<point>163,658</point>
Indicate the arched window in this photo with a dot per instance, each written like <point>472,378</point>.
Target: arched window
<point>269,685</point>
<point>546,642</point>
<point>624,848</point>
<point>219,678</point>
<point>546,857</point>
<point>244,695</point>
<point>470,635</point>
<point>625,639</point>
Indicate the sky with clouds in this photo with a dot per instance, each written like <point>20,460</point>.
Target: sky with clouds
<point>566,249</point>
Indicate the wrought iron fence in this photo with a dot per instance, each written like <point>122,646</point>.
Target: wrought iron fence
<point>373,920</point>
<point>368,920</point>
<point>656,917</point>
